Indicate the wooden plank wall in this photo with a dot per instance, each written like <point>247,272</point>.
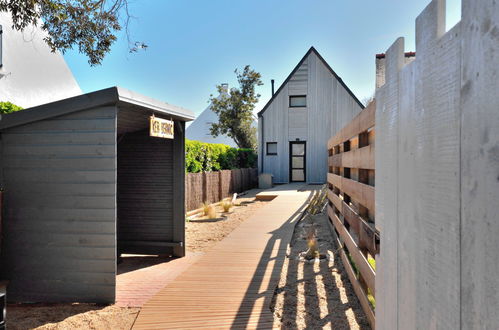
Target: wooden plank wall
<point>351,204</point>
<point>145,193</point>
<point>212,187</point>
<point>60,208</point>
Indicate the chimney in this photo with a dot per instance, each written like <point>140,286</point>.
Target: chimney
<point>272,83</point>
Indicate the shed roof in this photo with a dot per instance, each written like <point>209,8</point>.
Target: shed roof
<point>108,96</point>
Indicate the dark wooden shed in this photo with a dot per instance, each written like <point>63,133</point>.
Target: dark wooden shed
<point>83,182</point>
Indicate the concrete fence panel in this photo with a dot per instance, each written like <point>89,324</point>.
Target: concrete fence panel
<point>437,175</point>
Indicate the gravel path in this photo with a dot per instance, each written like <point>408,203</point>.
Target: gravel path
<point>316,295</point>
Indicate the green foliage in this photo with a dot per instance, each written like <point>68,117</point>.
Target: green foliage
<point>206,157</point>
<point>235,109</point>
<point>89,25</point>
<point>7,107</point>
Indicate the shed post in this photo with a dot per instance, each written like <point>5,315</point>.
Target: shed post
<point>179,189</point>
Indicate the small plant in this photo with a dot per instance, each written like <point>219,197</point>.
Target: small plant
<point>212,212</point>
<point>313,248</point>
<point>206,208</point>
<point>226,205</point>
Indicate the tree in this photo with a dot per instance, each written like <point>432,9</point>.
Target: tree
<point>90,25</point>
<point>8,107</point>
<point>235,109</point>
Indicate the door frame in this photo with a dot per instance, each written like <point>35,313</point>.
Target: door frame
<point>291,158</point>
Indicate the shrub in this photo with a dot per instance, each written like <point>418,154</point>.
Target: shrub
<point>8,107</point>
<point>206,157</point>
<point>226,205</point>
<point>206,208</point>
<point>212,212</point>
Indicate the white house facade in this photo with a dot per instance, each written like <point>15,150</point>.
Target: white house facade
<point>30,74</point>
<point>199,129</point>
<point>311,105</point>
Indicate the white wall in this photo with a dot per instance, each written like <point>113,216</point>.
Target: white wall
<point>31,74</point>
<point>199,129</point>
<point>437,175</point>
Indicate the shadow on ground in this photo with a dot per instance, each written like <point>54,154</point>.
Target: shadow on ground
<point>336,305</point>
<point>130,263</point>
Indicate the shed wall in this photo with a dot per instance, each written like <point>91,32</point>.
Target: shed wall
<point>145,193</point>
<point>60,208</point>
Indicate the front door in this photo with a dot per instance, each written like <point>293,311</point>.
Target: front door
<point>297,161</point>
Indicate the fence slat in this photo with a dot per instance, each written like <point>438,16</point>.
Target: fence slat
<point>361,262</point>
<point>351,201</point>
<point>212,187</point>
<point>361,123</point>
<point>362,193</point>
<point>357,158</point>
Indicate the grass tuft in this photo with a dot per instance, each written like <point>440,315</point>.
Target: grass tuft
<point>226,205</point>
<point>211,212</point>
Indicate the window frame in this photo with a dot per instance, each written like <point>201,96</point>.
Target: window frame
<point>267,149</point>
<point>297,96</point>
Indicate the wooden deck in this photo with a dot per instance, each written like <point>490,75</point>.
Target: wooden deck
<point>232,285</point>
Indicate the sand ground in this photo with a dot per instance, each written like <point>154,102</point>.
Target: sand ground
<point>317,294</point>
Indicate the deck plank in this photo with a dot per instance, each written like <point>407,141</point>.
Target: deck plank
<point>232,285</point>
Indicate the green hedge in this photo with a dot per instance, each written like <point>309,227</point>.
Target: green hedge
<point>7,107</point>
<point>206,157</point>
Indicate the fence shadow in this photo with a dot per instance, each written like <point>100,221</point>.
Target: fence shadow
<point>342,309</point>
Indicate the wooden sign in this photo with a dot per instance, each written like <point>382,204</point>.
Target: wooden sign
<point>161,128</point>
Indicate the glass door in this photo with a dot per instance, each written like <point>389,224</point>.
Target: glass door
<point>297,161</point>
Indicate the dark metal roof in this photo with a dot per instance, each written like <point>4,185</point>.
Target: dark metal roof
<point>312,49</point>
<point>108,96</point>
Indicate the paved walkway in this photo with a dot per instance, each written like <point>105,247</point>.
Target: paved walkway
<point>232,285</point>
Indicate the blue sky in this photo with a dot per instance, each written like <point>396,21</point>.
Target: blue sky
<point>196,44</point>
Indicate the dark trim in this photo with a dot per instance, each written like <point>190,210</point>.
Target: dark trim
<point>298,106</point>
<point>267,150</point>
<point>179,188</point>
<point>312,49</point>
<point>262,137</point>
<point>406,54</point>
<point>1,45</point>
<point>304,160</point>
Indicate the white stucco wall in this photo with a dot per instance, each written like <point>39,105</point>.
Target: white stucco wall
<point>31,74</point>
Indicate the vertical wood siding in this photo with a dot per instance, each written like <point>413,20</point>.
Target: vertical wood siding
<point>329,108</point>
<point>145,192</point>
<point>60,194</point>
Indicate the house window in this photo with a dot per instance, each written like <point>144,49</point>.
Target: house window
<point>297,101</point>
<point>271,148</point>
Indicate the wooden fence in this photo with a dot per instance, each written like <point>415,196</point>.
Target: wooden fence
<point>212,187</point>
<point>351,203</point>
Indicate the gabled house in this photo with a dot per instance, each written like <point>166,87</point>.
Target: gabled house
<point>199,129</point>
<point>30,73</point>
<point>310,106</point>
